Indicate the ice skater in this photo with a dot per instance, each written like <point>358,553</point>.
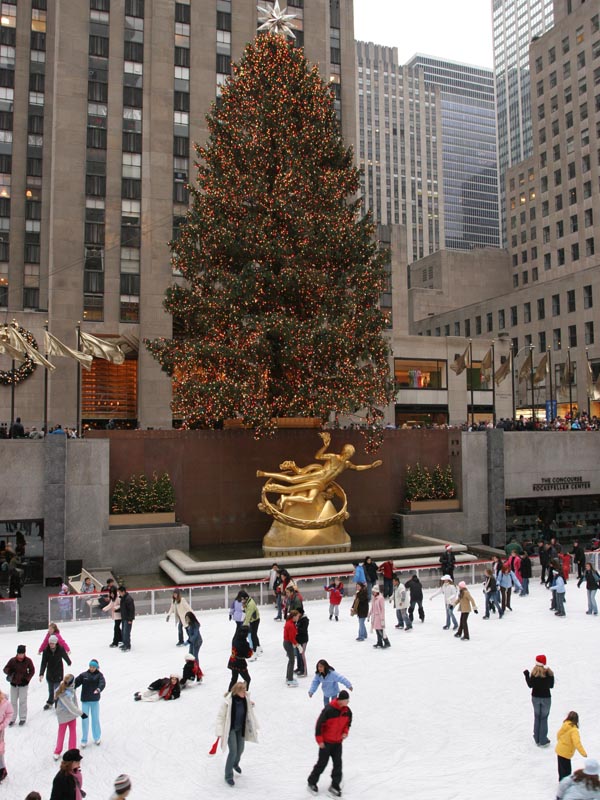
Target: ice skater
<point>92,684</point>
<point>19,671</point>
<point>329,680</point>
<point>540,681</point>
<point>68,781</point>
<point>335,590</point>
<point>52,666</point>
<point>191,672</point>
<point>465,604</point>
<point>377,617</point>
<point>240,652</point>
<point>179,608</point>
<point>568,740</point>
<point>160,689</point>
<point>6,713</point>
<point>449,592</point>
<point>236,724</point>
<point>192,629</point>
<point>67,711</point>
<point>333,726</point>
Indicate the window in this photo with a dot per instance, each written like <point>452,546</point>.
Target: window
<point>478,326</point>
<point>571,170</point>
<point>542,341</point>
<point>565,45</point>
<point>571,301</point>
<point>574,224</point>
<point>555,305</point>
<point>98,46</point>
<point>420,373</point>
<point>489,319</point>
<point>572,331</point>
<point>560,229</point>
<point>547,261</point>
<point>588,217</point>
<point>501,320</point>
<point>514,317</point>
<point>541,308</point>
<point>527,312</point>
<point>556,339</point>
<point>558,202</point>
<point>467,327</point>
<point>560,256</point>
<point>581,60</point>
<point>589,332</point>
<point>457,328</point>
<point>590,247</point>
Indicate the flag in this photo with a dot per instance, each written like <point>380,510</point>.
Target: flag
<point>99,348</point>
<point>54,347</point>
<point>566,379</point>
<point>460,363</point>
<point>526,367</point>
<point>19,342</point>
<point>502,371</point>
<point>486,364</point>
<point>593,391</point>
<point>11,351</point>
<point>543,369</point>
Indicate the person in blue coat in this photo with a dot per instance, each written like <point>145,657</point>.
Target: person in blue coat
<point>92,684</point>
<point>328,679</point>
<point>192,628</point>
<point>359,573</point>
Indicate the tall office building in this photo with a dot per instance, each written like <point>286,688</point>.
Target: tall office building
<point>400,148</point>
<point>515,24</point>
<point>469,158</point>
<point>101,105</point>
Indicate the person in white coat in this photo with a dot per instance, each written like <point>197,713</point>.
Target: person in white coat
<point>236,724</point>
<point>179,608</point>
<point>450,593</point>
<point>400,599</point>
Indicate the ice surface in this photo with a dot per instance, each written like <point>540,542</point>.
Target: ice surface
<point>435,718</point>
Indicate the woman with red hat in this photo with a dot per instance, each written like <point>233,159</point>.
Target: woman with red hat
<point>540,681</point>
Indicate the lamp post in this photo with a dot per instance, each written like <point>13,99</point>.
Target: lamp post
<point>531,346</point>
<point>512,377</point>
<point>570,376</point>
<point>471,377</point>
<point>549,351</point>
<point>587,388</point>
<point>494,384</point>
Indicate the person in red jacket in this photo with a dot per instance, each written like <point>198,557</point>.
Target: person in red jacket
<point>332,728</point>
<point>387,570</point>
<point>290,644</point>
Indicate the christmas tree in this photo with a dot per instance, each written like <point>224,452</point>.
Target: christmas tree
<point>280,312</point>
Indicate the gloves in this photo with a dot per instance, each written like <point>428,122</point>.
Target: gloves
<point>526,672</point>
<point>300,648</point>
<point>475,611</point>
<point>84,716</point>
<point>230,618</point>
<point>168,618</point>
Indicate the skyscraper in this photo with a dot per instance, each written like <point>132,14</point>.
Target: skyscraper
<point>469,159</point>
<point>101,105</point>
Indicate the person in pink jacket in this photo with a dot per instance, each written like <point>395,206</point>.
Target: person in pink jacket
<point>377,617</point>
<point>6,712</point>
<point>53,630</point>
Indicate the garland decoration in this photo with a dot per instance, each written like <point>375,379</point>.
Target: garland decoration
<point>16,376</point>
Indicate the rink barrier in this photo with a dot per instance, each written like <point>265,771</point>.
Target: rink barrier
<point>9,613</point>
<point>214,596</point>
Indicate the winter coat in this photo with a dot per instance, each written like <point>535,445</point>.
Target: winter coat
<point>515,566</point>
<point>360,605</point>
<point>506,579</point>
<point>64,787</point>
<point>447,561</point>
<point>18,672</point>
<point>179,610</point>
<point>526,568</point>
<point>568,741</point>
<point>489,586</point>
<point>294,603</point>
<point>302,630</point>
<point>565,561</point>
<point>370,572</point>
<point>399,597</point>
<point>578,554</point>
<point>67,707</point>
<point>60,641</point>
<point>558,585</point>
<point>569,789</point>
<point>449,591</point>
<point>166,690</point>
<point>290,632</point>
<point>236,611</point>
<point>114,608</point>
<point>377,613</point>
<point>223,722</point>
<point>359,574</point>
<point>240,651</point>
<point>127,608</point>
<point>329,683</point>
<point>464,602</point>
<point>591,579</point>
<point>415,587</point>
<point>335,593</point>
<point>540,686</point>
<point>387,569</point>
<point>6,712</point>
<point>52,663</point>
<point>191,672</point>
<point>333,724</point>
<point>193,634</point>
<point>92,685</point>
<point>251,612</point>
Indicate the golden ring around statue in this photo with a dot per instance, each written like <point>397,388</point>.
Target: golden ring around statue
<point>306,524</point>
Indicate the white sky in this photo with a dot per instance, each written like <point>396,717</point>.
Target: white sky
<point>459,30</point>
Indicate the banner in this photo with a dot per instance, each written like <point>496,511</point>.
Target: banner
<point>99,348</point>
<point>460,363</point>
<point>19,342</point>
<point>54,347</point>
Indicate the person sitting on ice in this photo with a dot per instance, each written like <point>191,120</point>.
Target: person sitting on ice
<point>161,689</point>
<point>191,671</point>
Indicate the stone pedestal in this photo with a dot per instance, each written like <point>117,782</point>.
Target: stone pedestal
<point>282,539</point>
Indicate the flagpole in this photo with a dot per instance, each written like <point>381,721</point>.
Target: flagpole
<point>77,425</point>
<point>531,346</point>
<point>46,389</point>
<point>570,385</point>
<point>12,391</point>
<point>550,372</point>
<point>471,374</point>
<point>512,377</point>
<point>493,385</point>
<point>589,369</point>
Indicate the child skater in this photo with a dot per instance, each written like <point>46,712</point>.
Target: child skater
<point>335,590</point>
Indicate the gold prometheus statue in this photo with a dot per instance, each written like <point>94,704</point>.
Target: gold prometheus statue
<point>306,493</point>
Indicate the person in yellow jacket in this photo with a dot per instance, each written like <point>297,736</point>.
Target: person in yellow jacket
<point>567,742</point>
<point>464,602</point>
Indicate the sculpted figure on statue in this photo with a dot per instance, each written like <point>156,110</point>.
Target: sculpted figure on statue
<point>305,493</point>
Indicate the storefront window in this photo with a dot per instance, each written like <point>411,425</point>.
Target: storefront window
<point>420,373</point>
<point>22,542</point>
<point>563,518</point>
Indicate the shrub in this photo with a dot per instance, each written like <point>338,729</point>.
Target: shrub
<point>421,484</point>
<point>141,496</point>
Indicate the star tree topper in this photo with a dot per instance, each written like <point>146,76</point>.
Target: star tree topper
<point>276,21</point>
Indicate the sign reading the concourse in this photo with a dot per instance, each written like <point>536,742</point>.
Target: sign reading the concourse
<point>566,483</point>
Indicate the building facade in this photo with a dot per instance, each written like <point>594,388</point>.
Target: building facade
<point>469,157</point>
<point>101,105</point>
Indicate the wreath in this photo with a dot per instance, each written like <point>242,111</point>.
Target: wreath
<point>10,377</point>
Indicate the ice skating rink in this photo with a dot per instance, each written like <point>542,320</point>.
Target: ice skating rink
<point>435,718</point>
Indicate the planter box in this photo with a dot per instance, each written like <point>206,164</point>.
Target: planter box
<point>431,506</point>
<point>132,520</point>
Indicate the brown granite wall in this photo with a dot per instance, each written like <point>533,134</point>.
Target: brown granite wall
<point>217,491</point>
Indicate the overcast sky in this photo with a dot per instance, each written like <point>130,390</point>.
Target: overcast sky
<point>459,30</point>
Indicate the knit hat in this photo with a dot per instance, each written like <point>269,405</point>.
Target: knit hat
<point>53,639</point>
<point>343,695</point>
<point>122,784</point>
<point>448,547</point>
<point>446,578</point>
<point>21,649</point>
<point>72,755</point>
<point>189,657</point>
<point>591,767</point>
<point>540,661</point>
<point>94,663</point>
<point>375,589</point>
<point>462,585</point>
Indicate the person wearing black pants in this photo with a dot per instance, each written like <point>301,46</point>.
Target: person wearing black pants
<point>331,729</point>
<point>240,651</point>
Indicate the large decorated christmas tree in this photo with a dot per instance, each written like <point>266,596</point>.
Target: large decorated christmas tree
<point>279,315</point>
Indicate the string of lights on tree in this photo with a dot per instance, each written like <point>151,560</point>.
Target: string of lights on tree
<point>280,312</point>
<point>20,373</point>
